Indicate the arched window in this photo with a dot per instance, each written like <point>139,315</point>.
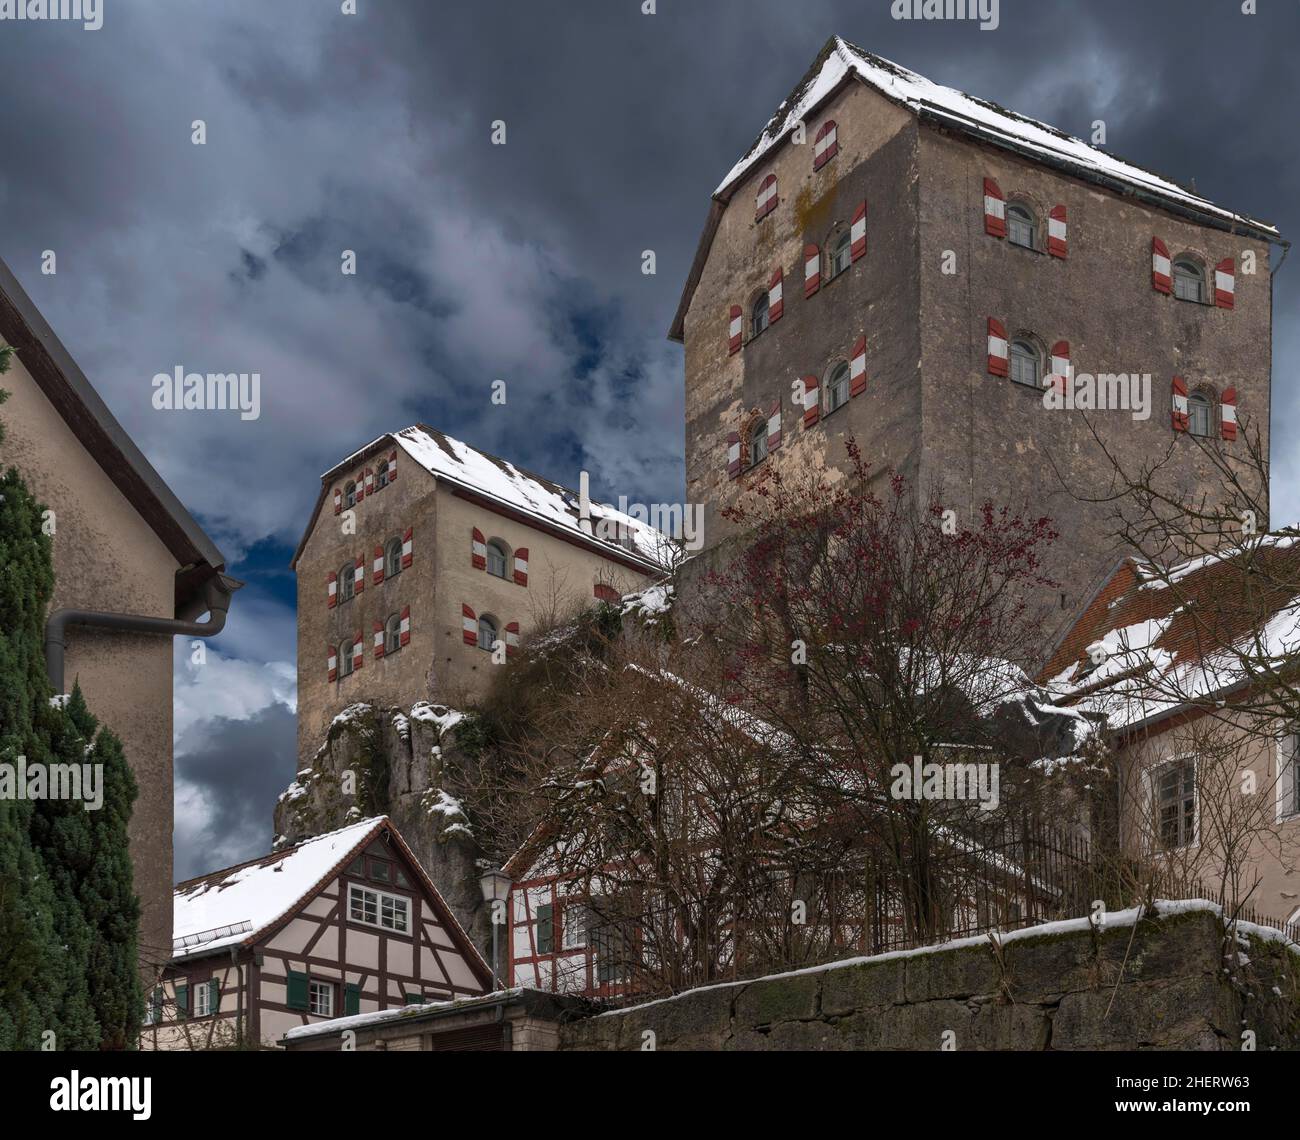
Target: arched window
<point>393,557</point>
<point>487,632</point>
<point>347,582</point>
<point>392,634</point>
<point>1189,280</point>
<point>1020,225</point>
<point>497,559</point>
<point>842,253</point>
<point>350,495</point>
<point>758,319</point>
<point>345,658</point>
<point>1198,414</point>
<point>381,479</point>
<point>1026,365</point>
<point>758,442</point>
<point>837,388</point>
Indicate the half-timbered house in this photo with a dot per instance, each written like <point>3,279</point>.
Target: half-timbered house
<point>344,923</point>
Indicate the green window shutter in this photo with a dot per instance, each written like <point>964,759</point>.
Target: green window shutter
<point>214,995</point>
<point>156,1005</point>
<point>182,999</point>
<point>414,999</point>
<point>545,929</point>
<point>297,990</point>
<point>351,999</point>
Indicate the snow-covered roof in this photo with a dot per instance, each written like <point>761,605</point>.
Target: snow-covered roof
<point>234,905</point>
<point>1154,640</point>
<point>841,59</point>
<point>456,462</point>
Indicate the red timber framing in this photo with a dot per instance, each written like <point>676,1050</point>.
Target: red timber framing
<point>573,970</point>
<point>369,967</point>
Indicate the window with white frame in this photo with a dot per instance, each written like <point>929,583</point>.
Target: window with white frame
<point>393,558</point>
<point>202,999</point>
<point>393,634</point>
<point>347,581</point>
<point>378,908</point>
<point>573,930</point>
<point>758,442</point>
<point>1175,796</point>
<point>320,999</point>
<point>497,559</point>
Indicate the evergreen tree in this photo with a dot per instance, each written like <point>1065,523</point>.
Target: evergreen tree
<point>68,912</point>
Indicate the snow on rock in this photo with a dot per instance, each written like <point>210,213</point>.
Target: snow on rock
<point>649,604</point>
<point>440,716</point>
<point>1001,126</point>
<point>454,821</point>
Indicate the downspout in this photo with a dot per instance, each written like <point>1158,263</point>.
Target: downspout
<point>216,602</point>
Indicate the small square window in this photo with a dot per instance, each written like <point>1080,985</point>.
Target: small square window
<point>320,999</point>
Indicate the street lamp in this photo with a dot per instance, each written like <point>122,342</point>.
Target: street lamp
<point>495,886</point>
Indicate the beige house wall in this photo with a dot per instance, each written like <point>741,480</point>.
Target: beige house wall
<point>107,558</point>
<point>436,664</point>
<point>1270,859</point>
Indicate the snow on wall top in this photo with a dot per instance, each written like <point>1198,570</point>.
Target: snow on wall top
<point>228,907</point>
<point>457,462</point>
<point>997,123</point>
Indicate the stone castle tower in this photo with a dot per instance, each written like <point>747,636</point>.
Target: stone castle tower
<point>921,262</point>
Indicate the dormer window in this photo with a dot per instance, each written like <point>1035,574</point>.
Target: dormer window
<point>1189,280</point>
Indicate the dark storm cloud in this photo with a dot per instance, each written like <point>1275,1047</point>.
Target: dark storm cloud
<point>477,263</point>
<point>227,781</point>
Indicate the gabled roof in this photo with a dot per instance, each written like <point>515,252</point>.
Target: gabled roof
<point>241,905</point>
<point>840,63</point>
<point>512,490</point>
<point>1165,637</point>
<point>63,383</point>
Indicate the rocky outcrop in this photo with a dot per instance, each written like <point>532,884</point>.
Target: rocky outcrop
<point>384,761</point>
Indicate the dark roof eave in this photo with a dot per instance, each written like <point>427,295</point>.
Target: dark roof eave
<point>1238,224</point>
<point>63,383</point>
